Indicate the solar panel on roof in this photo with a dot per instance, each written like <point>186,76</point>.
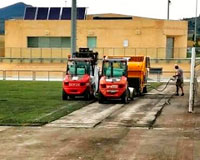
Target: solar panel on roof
<point>80,13</point>
<point>54,13</point>
<point>42,13</point>
<point>66,14</point>
<point>30,13</point>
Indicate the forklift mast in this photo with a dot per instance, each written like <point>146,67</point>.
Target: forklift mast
<point>87,53</point>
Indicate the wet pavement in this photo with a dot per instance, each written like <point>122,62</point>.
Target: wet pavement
<point>175,135</point>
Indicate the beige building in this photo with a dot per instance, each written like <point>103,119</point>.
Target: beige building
<point>2,41</point>
<point>108,33</point>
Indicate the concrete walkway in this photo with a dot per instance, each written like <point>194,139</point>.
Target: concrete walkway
<point>86,117</point>
<point>139,113</point>
<point>176,116</point>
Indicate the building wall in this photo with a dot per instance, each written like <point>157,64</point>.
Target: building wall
<point>145,36</point>
<point>2,45</point>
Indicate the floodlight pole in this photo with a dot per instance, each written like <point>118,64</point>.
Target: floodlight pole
<point>73,27</point>
<point>195,28</point>
<point>191,96</point>
<point>193,62</point>
<point>168,4</point>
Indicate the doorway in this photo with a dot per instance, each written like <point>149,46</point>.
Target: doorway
<point>170,47</point>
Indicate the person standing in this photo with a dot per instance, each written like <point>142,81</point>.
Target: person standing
<point>179,80</point>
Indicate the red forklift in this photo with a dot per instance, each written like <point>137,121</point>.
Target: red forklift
<point>113,82</point>
<point>82,75</point>
<point>123,77</point>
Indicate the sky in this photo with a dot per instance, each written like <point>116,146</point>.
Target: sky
<point>143,8</point>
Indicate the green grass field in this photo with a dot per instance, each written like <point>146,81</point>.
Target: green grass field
<point>33,103</point>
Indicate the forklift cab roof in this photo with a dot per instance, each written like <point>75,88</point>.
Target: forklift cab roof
<point>115,60</point>
<point>81,59</point>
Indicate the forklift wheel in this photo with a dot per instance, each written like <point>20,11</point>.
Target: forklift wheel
<point>101,98</point>
<point>125,97</point>
<point>87,96</point>
<point>64,95</point>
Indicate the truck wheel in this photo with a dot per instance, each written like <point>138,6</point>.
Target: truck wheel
<point>64,95</point>
<point>101,98</point>
<point>125,97</point>
<point>145,89</point>
<point>139,93</point>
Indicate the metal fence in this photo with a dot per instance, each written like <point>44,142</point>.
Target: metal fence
<point>155,53</point>
<point>33,75</point>
<point>37,52</point>
<point>51,53</point>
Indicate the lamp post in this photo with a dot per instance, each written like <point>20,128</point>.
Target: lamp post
<point>168,4</point>
<point>73,27</point>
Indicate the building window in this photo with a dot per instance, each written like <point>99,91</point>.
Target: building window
<point>49,42</point>
<point>91,42</point>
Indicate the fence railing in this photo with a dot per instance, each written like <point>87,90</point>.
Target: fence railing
<point>156,53</point>
<point>37,52</point>
<point>33,75</point>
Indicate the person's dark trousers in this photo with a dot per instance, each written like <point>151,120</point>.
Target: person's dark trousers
<point>177,90</point>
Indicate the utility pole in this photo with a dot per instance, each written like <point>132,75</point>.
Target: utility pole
<point>73,27</point>
<point>168,5</point>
